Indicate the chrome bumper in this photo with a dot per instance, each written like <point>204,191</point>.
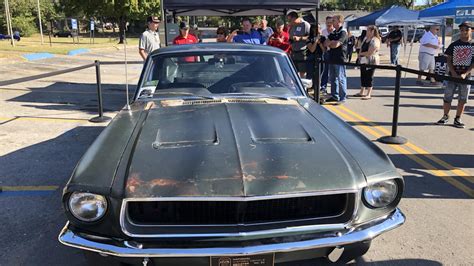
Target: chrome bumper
<point>132,249</point>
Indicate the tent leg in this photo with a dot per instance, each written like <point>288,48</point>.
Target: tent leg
<point>443,31</point>
<point>163,19</point>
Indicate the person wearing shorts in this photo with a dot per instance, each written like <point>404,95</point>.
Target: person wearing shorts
<point>429,47</point>
<point>460,64</point>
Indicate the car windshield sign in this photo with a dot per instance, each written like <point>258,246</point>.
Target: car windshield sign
<point>220,74</point>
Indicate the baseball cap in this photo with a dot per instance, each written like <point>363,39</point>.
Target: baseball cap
<point>183,25</point>
<point>152,19</point>
<point>467,24</point>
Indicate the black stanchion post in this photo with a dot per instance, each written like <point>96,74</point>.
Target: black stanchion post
<point>317,80</point>
<point>394,139</point>
<point>101,118</point>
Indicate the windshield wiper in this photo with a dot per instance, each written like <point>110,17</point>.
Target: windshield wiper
<point>255,94</point>
<point>184,93</point>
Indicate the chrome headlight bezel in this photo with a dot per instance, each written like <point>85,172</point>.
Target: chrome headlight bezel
<point>383,194</point>
<point>96,201</point>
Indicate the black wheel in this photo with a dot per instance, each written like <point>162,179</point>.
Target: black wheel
<point>95,259</point>
<point>354,251</point>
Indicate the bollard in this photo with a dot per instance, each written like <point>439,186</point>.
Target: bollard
<point>394,139</point>
<point>101,118</point>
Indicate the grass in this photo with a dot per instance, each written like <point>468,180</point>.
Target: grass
<point>58,45</point>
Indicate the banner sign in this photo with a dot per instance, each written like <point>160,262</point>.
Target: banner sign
<point>464,14</point>
<point>74,23</point>
<point>173,31</point>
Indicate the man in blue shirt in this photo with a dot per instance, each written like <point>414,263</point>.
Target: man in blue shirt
<point>247,34</point>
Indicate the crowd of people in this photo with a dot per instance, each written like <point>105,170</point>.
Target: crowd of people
<point>335,45</point>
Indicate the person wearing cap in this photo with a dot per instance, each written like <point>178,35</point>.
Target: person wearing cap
<point>299,35</point>
<point>184,36</point>
<point>460,57</point>
<point>247,34</point>
<point>280,38</point>
<point>150,39</point>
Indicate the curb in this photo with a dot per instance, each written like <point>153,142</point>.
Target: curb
<point>78,51</point>
<point>37,56</point>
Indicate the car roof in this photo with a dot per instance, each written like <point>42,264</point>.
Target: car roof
<point>211,47</point>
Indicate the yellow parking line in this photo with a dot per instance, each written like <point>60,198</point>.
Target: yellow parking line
<point>454,170</point>
<point>51,119</point>
<point>440,173</point>
<point>29,188</point>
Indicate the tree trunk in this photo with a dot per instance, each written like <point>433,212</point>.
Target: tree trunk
<point>122,26</point>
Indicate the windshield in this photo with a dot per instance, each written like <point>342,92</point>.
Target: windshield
<point>220,74</point>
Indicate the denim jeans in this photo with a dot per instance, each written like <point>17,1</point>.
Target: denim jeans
<point>394,51</point>
<point>338,79</point>
<point>325,71</point>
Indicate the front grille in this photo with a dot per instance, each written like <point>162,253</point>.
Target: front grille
<point>208,213</point>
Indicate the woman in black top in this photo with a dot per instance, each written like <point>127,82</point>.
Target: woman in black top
<point>359,41</point>
<point>315,48</point>
<point>350,45</point>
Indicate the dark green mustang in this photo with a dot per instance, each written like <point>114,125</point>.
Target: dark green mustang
<point>223,159</point>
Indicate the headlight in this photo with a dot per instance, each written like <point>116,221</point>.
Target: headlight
<point>87,207</point>
<point>381,194</point>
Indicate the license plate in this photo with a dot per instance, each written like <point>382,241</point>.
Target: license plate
<point>254,260</point>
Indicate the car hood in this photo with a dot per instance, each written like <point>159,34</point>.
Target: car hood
<point>257,148</point>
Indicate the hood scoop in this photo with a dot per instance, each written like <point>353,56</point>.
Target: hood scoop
<point>184,139</point>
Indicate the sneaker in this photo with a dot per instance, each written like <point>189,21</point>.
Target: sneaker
<point>443,120</point>
<point>458,123</point>
<point>332,100</point>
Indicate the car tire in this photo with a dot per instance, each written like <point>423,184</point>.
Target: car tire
<point>95,259</point>
<point>353,251</point>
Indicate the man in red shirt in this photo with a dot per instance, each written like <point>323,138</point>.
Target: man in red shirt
<point>185,38</point>
<point>280,38</point>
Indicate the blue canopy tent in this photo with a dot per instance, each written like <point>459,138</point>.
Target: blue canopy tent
<point>393,16</point>
<point>446,9</point>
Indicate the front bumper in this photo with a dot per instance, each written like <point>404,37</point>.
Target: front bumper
<point>113,247</point>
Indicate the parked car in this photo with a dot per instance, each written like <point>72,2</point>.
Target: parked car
<point>65,33</point>
<point>419,33</point>
<point>384,31</point>
<point>223,158</point>
<point>16,36</point>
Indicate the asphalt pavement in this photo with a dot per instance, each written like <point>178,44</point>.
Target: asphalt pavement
<point>44,131</point>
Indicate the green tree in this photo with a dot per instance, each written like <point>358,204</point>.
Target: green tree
<point>25,15</point>
<point>120,11</point>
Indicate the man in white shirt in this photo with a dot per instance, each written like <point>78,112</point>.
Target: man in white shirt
<point>429,47</point>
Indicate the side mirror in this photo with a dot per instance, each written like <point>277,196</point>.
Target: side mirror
<point>307,83</point>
